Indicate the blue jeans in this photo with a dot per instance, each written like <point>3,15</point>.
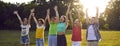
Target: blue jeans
<point>39,42</point>
<point>52,40</point>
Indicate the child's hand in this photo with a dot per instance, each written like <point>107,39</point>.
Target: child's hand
<point>55,8</point>
<point>48,11</point>
<point>32,10</point>
<point>15,12</point>
<point>33,14</point>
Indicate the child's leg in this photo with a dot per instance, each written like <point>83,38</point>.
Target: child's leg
<point>37,42</point>
<point>41,42</point>
<point>54,41</point>
<point>49,40</point>
<point>27,44</point>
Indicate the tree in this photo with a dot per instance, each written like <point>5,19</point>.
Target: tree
<point>113,12</point>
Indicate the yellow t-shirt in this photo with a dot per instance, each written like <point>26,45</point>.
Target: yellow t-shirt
<point>40,31</point>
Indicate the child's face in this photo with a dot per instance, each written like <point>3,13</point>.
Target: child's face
<point>25,21</point>
<point>62,19</point>
<point>76,22</point>
<point>92,20</point>
<point>53,19</point>
<point>39,22</point>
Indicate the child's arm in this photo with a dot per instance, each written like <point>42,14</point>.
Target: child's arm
<point>71,19</point>
<point>67,14</point>
<point>36,22</point>
<point>87,18</point>
<point>48,15</point>
<point>97,13</point>
<point>57,14</point>
<point>46,18</point>
<point>16,12</point>
<point>79,17</point>
<point>32,10</point>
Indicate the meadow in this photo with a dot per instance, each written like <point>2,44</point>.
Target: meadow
<point>12,37</point>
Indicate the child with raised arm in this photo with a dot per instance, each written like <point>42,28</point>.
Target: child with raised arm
<point>76,30</point>
<point>62,25</point>
<point>92,34</point>
<point>25,26</point>
<point>53,22</point>
<point>40,27</point>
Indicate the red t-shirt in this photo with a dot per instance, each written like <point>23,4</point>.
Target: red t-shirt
<point>76,33</point>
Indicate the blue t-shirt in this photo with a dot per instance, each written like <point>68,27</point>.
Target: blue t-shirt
<point>61,27</point>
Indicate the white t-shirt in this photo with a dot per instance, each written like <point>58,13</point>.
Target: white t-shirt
<point>25,30</point>
<point>91,33</point>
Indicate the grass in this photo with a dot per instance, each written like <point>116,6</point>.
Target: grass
<point>11,38</point>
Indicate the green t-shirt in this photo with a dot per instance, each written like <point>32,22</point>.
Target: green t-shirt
<point>53,28</point>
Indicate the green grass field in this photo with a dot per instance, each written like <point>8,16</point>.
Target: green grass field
<point>11,38</point>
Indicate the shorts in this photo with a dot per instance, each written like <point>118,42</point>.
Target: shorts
<point>24,39</point>
<point>76,43</point>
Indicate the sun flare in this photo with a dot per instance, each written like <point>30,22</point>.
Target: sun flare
<point>92,4</point>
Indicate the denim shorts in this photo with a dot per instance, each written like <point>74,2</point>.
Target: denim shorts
<point>24,39</point>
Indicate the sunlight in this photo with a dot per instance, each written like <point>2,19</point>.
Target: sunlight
<point>92,4</point>
<point>18,1</point>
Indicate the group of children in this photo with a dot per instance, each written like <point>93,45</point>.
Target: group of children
<point>58,25</point>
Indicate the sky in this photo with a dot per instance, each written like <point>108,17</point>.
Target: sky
<point>18,1</point>
<point>92,4</point>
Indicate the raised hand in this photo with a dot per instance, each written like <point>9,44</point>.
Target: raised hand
<point>48,11</point>
<point>15,12</point>
<point>55,8</point>
<point>32,10</point>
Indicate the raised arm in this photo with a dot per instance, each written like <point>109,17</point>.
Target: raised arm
<point>36,22</point>
<point>71,19</point>
<point>48,15</point>
<point>57,14</point>
<point>67,14</point>
<point>79,17</point>
<point>87,18</point>
<point>97,14</point>
<point>16,12</point>
<point>31,13</point>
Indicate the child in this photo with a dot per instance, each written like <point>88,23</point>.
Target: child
<point>92,34</point>
<point>52,36</point>
<point>62,25</point>
<point>25,26</point>
<point>76,30</point>
<point>40,27</point>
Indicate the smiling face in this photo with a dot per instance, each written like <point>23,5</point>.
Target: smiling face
<point>40,22</point>
<point>92,20</point>
<point>62,18</point>
<point>76,22</point>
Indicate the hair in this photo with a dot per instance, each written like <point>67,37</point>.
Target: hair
<point>64,18</point>
<point>42,20</point>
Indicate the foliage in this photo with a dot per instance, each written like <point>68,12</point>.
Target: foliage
<point>113,12</point>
